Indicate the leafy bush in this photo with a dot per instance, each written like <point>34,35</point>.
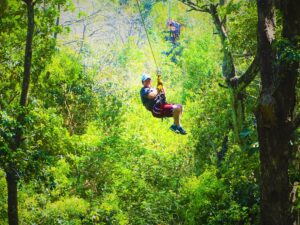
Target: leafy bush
<point>206,200</point>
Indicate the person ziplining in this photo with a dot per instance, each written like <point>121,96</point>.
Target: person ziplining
<point>174,29</point>
<point>154,100</point>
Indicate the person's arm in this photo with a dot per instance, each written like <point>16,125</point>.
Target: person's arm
<point>152,94</point>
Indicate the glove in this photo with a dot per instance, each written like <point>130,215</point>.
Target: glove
<point>159,83</point>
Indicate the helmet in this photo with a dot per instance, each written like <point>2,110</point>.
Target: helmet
<point>145,76</point>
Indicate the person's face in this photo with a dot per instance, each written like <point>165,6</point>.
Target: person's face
<point>147,83</point>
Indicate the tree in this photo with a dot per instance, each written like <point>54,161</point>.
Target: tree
<point>276,120</point>
<point>66,87</point>
<point>235,83</point>
<point>11,171</point>
<point>13,144</point>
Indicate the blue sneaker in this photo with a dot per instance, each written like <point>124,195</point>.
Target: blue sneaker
<point>174,128</point>
<point>181,130</point>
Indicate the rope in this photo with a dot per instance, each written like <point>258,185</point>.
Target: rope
<point>143,22</point>
<point>169,4</point>
<point>169,20</point>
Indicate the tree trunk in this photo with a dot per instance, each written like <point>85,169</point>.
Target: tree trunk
<point>57,22</point>
<point>275,113</point>
<point>3,7</point>
<point>11,180</point>
<point>11,172</point>
<point>238,116</point>
<point>228,71</point>
<point>228,68</point>
<point>275,208</point>
<point>28,53</point>
<point>235,84</point>
<point>291,31</point>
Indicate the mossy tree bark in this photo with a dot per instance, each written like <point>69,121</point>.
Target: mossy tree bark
<point>276,108</point>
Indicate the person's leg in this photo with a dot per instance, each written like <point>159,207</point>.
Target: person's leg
<point>174,111</point>
<point>176,114</point>
<point>181,108</point>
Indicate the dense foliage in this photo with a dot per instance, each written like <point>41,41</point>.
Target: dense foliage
<point>91,153</point>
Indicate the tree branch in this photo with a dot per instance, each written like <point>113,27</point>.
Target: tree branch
<point>70,22</point>
<point>222,85</point>
<point>29,2</point>
<point>248,76</point>
<point>296,123</point>
<point>245,55</point>
<point>95,31</point>
<point>70,42</point>
<point>195,7</point>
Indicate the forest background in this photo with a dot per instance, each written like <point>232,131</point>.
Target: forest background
<point>90,152</point>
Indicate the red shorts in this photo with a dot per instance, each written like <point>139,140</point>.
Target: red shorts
<point>163,110</point>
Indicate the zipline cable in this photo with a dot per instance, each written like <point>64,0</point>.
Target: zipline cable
<point>169,9</point>
<point>169,18</point>
<point>143,22</point>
